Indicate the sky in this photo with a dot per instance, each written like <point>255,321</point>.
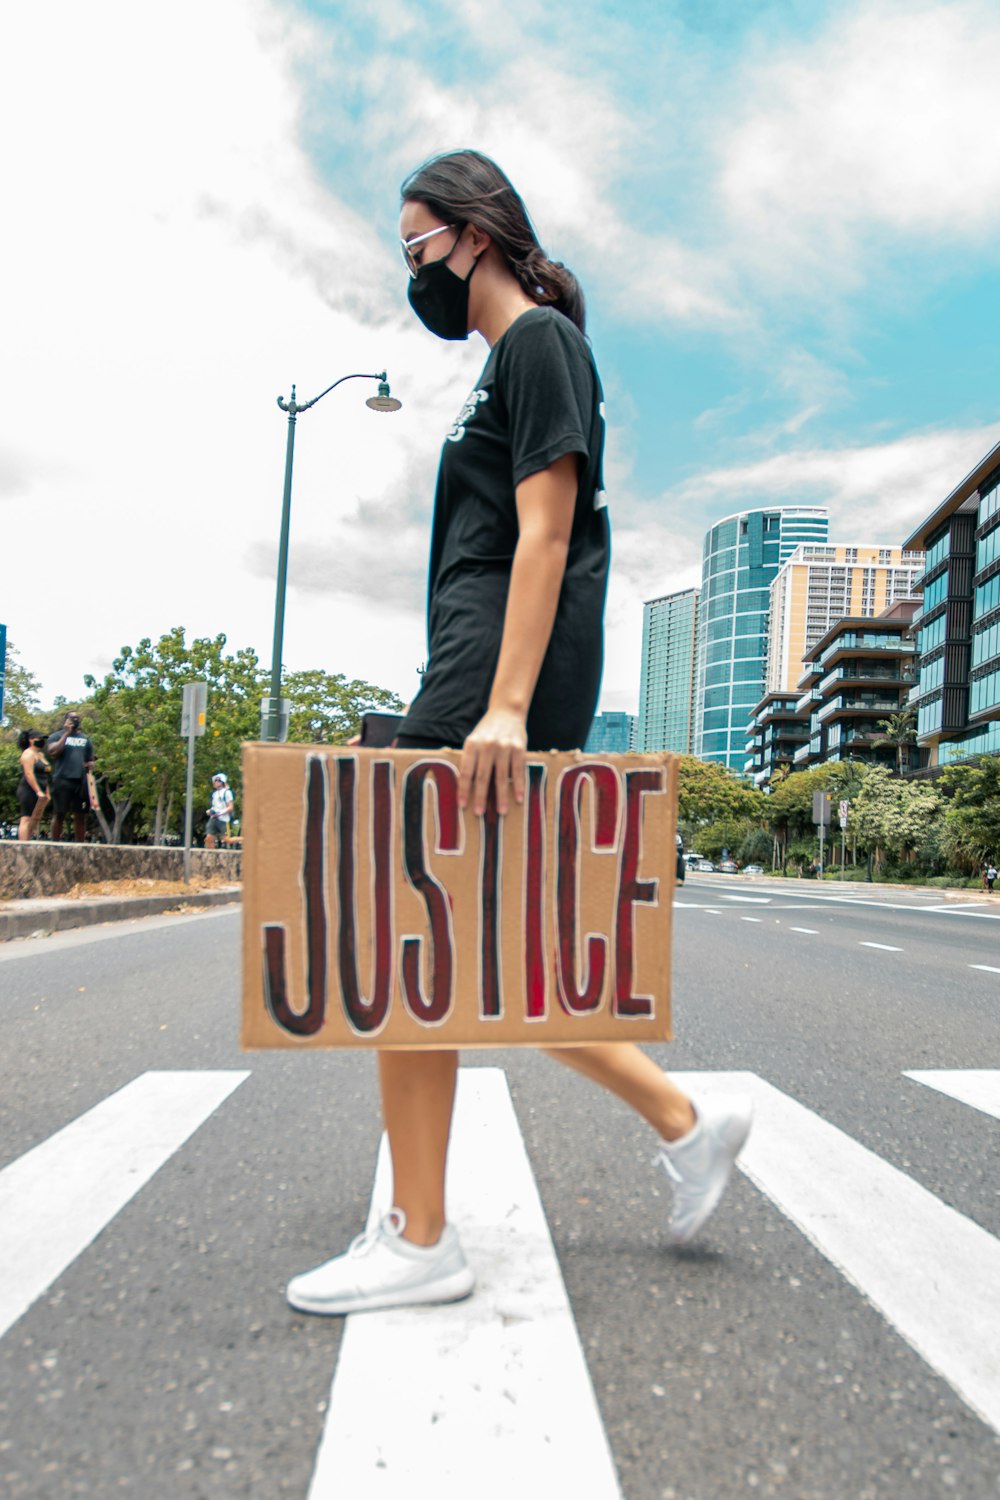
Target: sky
<point>786,218</point>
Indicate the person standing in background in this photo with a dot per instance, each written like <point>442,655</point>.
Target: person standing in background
<point>72,755</point>
<point>220,811</point>
<point>32,790</point>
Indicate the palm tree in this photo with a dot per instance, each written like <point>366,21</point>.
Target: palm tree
<point>899,730</point>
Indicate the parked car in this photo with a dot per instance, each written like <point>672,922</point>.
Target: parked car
<point>729,867</point>
<point>705,866</point>
<point>753,870</point>
<point>693,860</point>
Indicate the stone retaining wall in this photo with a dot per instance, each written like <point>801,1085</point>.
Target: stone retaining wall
<point>46,869</point>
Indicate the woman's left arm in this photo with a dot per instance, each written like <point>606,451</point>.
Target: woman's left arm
<point>546,504</point>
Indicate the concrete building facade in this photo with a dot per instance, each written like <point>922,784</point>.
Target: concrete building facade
<point>667,684</point>
<point>820,585</point>
<point>957,695</point>
<point>741,558</point>
<point>611,734</point>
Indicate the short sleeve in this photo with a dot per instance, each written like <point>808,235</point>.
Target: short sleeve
<point>548,386</point>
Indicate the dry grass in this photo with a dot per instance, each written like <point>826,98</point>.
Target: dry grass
<point>88,888</point>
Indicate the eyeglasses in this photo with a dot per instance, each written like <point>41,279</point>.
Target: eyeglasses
<point>408,246</point>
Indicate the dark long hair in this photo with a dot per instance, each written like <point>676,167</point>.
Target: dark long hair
<point>26,736</point>
<point>465,187</point>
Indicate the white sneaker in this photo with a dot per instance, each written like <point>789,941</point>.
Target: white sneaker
<point>381,1269</point>
<point>700,1162</point>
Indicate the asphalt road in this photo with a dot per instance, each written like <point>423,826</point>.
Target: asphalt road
<point>163,1362</point>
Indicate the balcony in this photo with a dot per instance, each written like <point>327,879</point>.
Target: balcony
<point>873,673</point>
<point>807,700</point>
<point>864,641</point>
<point>802,754</point>
<point>841,705</point>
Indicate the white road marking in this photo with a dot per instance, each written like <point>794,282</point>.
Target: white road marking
<point>56,1198</point>
<point>987,968</point>
<point>885,947</point>
<point>979,1087</point>
<point>813,931</point>
<point>930,1271</point>
<point>487,1398</point>
<point>750,900</point>
<point>751,919</point>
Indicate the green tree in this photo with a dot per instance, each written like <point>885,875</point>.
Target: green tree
<point>898,730</point>
<point>326,709</point>
<point>20,697</point>
<point>708,792</point>
<point>892,816</point>
<point>134,719</point>
<point>970,830</point>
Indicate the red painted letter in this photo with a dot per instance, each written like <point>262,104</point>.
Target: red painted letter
<point>633,891</point>
<point>309,1021</point>
<point>489,910</point>
<point>442,965</point>
<point>364,1015</point>
<point>604,818</point>
<point>534,894</point>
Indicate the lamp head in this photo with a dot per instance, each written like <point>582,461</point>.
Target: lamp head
<point>383,401</point>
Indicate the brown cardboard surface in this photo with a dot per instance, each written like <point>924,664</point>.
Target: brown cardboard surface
<point>377,914</point>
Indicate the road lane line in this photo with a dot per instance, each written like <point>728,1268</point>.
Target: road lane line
<point>929,1270</point>
<point>813,931</point>
<point>56,1198</point>
<point>751,919</point>
<point>749,900</point>
<point>885,947</point>
<point>487,1398</point>
<point>987,968</point>
<point>979,1087</point>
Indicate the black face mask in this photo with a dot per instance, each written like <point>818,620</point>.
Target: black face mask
<point>440,299</point>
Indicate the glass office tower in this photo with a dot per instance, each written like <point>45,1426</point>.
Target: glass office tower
<point>741,558</point>
<point>666,687</point>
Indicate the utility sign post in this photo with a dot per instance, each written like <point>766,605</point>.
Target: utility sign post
<point>821,817</point>
<point>193,713</point>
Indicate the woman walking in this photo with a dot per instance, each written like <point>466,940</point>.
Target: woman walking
<point>518,572</point>
<point>32,789</point>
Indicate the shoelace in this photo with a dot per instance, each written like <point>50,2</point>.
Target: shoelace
<point>390,1226</point>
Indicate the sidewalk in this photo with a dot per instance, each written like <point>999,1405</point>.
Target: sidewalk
<point>27,918</point>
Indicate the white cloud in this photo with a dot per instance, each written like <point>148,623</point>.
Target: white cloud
<point>886,125</point>
<point>875,492</point>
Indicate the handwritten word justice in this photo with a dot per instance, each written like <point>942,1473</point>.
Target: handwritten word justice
<point>427,978</point>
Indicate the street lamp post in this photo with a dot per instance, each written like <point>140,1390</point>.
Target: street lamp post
<point>384,401</point>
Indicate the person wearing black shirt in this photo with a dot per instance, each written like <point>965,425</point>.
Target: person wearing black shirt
<point>72,755</point>
<point>519,561</point>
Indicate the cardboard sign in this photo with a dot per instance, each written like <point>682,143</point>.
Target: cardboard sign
<point>376,913</point>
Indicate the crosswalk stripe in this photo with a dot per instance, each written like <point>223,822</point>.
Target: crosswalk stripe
<point>487,1398</point>
<point>56,1198</point>
<point>979,1087</point>
<point>929,1270</point>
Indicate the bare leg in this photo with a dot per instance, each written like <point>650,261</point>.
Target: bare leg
<point>210,841</point>
<point>418,1093</point>
<point>626,1071</point>
<point>24,830</point>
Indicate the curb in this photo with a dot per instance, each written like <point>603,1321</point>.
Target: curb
<point>43,917</point>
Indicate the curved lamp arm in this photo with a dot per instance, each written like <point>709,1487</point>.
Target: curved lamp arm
<point>293,406</point>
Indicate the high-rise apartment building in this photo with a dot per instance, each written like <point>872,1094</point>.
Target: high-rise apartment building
<point>741,558</point>
<point>957,697</point>
<point>666,689</point>
<point>820,585</point>
<point>611,733</point>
